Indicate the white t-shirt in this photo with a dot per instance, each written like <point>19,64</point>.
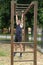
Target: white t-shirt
<point>21,25</point>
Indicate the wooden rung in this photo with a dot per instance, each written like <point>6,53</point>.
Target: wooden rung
<point>23,60</point>
<point>22,4</point>
<point>21,7</point>
<point>23,42</point>
<point>24,52</point>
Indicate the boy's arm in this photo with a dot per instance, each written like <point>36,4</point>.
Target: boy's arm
<point>16,18</point>
<point>21,25</point>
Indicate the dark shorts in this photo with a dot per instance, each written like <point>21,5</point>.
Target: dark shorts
<point>18,38</point>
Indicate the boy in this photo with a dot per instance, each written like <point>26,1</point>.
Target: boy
<point>18,34</point>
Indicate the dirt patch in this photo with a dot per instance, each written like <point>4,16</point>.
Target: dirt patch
<point>6,59</point>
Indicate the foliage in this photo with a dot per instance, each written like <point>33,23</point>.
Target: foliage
<point>40,17</point>
<point>4,13</point>
<point>30,13</point>
<point>5,10</point>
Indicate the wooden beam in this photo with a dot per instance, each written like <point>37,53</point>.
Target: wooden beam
<point>28,8</point>
<point>12,25</point>
<point>14,9</point>
<point>23,42</point>
<point>22,4</point>
<point>35,32</point>
<point>24,52</point>
<point>21,7</point>
<point>19,10</point>
<point>24,31</point>
<point>23,60</point>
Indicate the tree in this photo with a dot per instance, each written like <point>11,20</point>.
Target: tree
<point>4,13</point>
<point>40,17</point>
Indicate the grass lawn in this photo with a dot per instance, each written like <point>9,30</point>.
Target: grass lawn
<point>4,50</point>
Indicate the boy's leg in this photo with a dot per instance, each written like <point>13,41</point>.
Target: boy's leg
<point>15,46</point>
<point>15,49</point>
<point>21,46</point>
<point>21,49</point>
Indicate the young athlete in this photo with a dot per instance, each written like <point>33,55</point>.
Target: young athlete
<point>18,34</point>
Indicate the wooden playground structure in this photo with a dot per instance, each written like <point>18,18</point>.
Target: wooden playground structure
<point>13,12</point>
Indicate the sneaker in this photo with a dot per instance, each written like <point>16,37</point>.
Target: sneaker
<point>20,54</point>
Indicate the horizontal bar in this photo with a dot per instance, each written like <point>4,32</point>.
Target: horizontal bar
<point>28,8</point>
<point>23,42</point>
<point>23,60</point>
<point>24,52</point>
<point>21,7</point>
<point>22,4</point>
<point>19,4</point>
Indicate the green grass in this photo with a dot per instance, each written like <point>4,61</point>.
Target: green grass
<point>39,35</point>
<point>5,50</point>
<point>39,42</point>
<point>4,34</point>
<point>4,39</point>
<point>3,53</point>
<point>1,64</point>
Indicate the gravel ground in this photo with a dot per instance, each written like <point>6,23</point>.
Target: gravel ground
<point>5,59</point>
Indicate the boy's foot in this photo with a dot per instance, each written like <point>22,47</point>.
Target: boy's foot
<point>20,54</point>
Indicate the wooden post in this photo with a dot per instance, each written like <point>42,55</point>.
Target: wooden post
<point>15,9</point>
<point>12,25</point>
<point>35,33</point>
<point>24,30</point>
